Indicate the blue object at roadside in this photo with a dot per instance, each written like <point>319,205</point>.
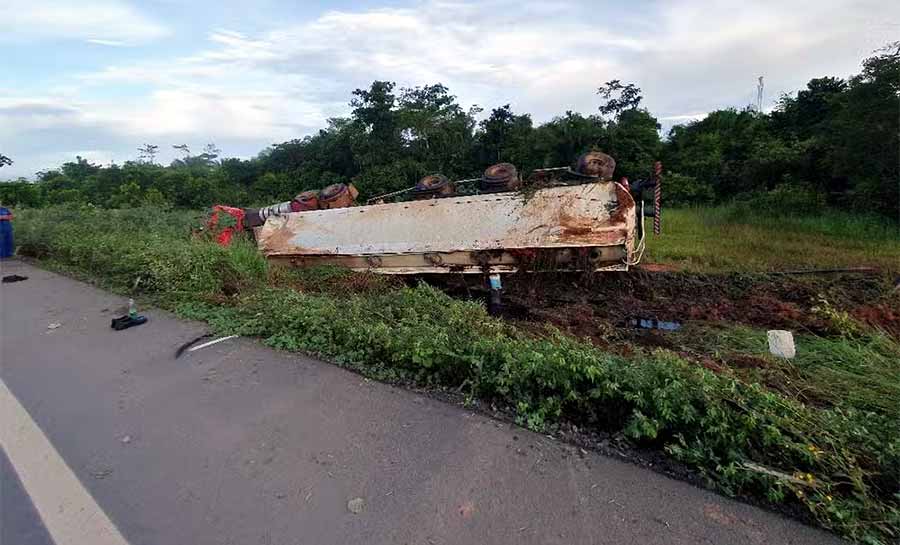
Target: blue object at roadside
<point>6,234</point>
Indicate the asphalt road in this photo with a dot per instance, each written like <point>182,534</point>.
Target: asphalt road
<point>239,444</point>
<point>19,520</point>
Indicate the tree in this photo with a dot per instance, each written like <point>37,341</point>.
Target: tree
<point>239,171</point>
<point>375,134</point>
<point>862,137</point>
<point>21,192</point>
<point>196,163</point>
<point>505,137</point>
<point>633,140</point>
<point>210,153</point>
<point>435,130</point>
<point>632,133</point>
<point>618,98</point>
<point>79,170</point>
<point>374,108</point>
<point>147,153</point>
<point>715,149</point>
<point>801,115</point>
<point>562,139</point>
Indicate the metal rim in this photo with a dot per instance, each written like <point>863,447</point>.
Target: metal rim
<point>332,192</point>
<point>307,197</point>
<point>595,164</point>
<point>499,177</point>
<point>432,183</point>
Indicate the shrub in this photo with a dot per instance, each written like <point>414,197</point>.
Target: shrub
<point>679,190</point>
<point>786,199</point>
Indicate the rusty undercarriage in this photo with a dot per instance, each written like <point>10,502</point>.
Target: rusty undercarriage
<point>590,223</point>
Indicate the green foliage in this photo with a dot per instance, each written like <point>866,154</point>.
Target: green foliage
<point>839,137</point>
<point>20,193</point>
<point>138,246</point>
<point>786,199</point>
<point>619,98</point>
<point>841,461</point>
<point>716,149</point>
<point>560,141</point>
<point>504,137</point>
<point>154,198</point>
<point>128,195</point>
<point>633,140</point>
<point>683,190</point>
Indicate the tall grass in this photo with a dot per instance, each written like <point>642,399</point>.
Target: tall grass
<point>857,372</point>
<point>733,238</point>
<point>139,250</point>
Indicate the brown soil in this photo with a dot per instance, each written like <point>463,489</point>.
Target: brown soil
<point>879,315</point>
<point>600,307</point>
<point>746,361</point>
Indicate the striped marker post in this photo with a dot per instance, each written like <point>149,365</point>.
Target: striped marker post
<point>657,195</point>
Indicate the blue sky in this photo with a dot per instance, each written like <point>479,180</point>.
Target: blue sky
<point>98,78</point>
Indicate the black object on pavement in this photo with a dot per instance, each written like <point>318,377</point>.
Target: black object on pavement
<point>13,278</point>
<point>124,322</point>
<point>185,346</point>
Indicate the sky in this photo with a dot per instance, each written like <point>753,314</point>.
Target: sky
<point>98,78</point>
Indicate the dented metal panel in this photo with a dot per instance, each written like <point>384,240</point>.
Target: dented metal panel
<point>465,234</point>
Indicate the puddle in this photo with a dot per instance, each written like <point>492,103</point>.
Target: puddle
<point>653,323</point>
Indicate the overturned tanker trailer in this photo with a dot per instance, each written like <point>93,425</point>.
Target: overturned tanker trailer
<point>559,219</point>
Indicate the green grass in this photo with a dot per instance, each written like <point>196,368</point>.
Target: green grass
<point>856,371</point>
<point>847,452</point>
<point>731,239</point>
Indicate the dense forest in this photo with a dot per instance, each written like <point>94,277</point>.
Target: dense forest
<point>834,143</point>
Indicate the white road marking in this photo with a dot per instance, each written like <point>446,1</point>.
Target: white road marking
<point>67,509</point>
<point>212,342</point>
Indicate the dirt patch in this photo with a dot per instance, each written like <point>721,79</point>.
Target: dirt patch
<point>658,267</point>
<point>879,315</point>
<point>600,306</point>
<point>746,361</point>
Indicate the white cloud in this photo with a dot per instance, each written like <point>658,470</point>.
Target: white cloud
<point>683,118</point>
<point>689,56</point>
<point>98,21</point>
<point>110,43</point>
<point>708,54</point>
<point>298,75</point>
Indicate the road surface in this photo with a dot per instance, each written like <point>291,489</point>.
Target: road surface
<point>239,444</point>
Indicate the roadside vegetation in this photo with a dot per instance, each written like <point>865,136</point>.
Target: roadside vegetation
<point>821,432</point>
<point>749,236</point>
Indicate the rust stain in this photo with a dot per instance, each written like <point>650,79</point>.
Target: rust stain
<point>279,242</point>
<point>279,239</point>
<point>575,231</point>
<point>586,231</point>
<point>626,205</point>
